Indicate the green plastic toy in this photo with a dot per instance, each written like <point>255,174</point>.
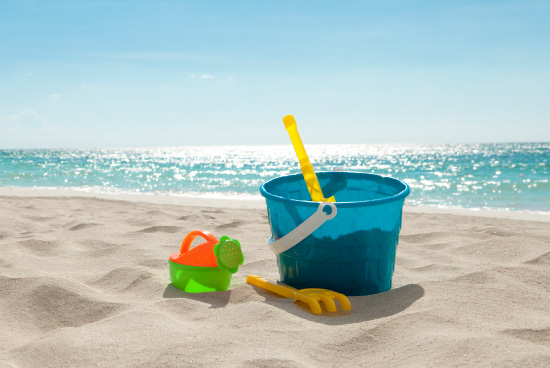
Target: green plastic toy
<point>206,267</point>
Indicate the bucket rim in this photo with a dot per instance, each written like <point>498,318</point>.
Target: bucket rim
<point>372,202</point>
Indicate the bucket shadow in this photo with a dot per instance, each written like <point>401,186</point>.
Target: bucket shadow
<point>216,299</point>
<point>363,308</point>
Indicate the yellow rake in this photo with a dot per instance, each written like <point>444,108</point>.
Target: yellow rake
<point>310,296</point>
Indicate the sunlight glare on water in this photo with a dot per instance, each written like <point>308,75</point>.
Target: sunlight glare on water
<point>511,176</point>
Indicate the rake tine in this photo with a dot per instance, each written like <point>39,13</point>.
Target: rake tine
<point>329,302</point>
<point>344,301</point>
<point>313,304</point>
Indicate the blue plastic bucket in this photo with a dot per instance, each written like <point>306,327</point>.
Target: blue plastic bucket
<point>354,253</point>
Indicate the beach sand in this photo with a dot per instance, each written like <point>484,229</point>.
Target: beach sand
<point>85,282</point>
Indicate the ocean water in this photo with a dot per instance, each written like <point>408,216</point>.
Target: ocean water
<point>508,176</point>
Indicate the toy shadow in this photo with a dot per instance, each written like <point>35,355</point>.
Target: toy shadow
<point>363,308</point>
<point>216,299</point>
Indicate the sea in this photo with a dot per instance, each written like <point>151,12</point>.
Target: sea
<point>496,176</point>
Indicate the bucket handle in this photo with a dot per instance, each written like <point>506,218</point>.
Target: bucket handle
<point>303,230</point>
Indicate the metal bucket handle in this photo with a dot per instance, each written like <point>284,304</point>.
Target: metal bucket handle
<point>303,230</point>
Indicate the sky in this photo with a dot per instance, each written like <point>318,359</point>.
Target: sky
<point>110,73</point>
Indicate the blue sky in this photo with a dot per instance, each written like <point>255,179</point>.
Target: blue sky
<point>91,74</point>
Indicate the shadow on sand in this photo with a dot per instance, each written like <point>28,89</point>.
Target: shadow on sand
<point>363,308</point>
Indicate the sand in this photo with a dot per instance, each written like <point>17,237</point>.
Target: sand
<point>85,282</point>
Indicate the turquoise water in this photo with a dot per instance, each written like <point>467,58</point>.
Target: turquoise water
<point>511,176</point>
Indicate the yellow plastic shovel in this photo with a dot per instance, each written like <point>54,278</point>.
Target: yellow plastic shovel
<point>307,168</point>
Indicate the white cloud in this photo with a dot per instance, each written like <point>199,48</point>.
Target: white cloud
<point>28,121</point>
<point>55,97</point>
<point>29,129</point>
<point>202,76</point>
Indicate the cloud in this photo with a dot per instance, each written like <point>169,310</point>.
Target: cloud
<point>202,76</point>
<point>55,97</point>
<point>28,121</point>
<point>28,129</point>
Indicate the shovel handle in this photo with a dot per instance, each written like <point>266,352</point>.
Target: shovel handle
<point>282,290</point>
<point>310,178</point>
